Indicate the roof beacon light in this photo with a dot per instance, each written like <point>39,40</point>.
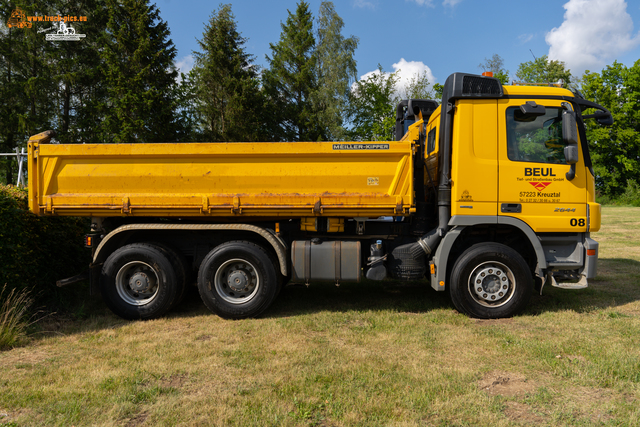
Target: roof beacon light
<point>488,73</point>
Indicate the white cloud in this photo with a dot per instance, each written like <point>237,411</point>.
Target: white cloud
<point>451,3</point>
<point>363,4</point>
<point>524,38</point>
<point>185,64</point>
<point>428,3</point>
<point>593,33</point>
<point>406,70</point>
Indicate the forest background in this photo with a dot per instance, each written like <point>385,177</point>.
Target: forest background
<point>122,85</point>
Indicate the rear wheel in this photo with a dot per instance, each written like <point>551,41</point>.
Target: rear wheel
<point>237,280</point>
<point>490,280</point>
<point>138,281</point>
<point>180,266</point>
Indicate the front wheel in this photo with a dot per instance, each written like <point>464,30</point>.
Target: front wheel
<point>237,280</point>
<point>489,281</point>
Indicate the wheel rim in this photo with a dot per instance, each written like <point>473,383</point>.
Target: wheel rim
<point>492,284</point>
<point>237,281</point>
<point>137,283</point>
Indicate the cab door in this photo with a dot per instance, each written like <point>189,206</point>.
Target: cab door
<point>533,182</point>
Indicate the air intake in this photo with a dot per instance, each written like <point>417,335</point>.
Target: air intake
<point>461,85</point>
<point>479,86</point>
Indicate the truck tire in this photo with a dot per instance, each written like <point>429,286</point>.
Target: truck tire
<point>490,281</point>
<point>180,266</point>
<point>138,281</point>
<point>237,280</point>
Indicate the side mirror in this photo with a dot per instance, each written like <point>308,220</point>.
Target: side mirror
<point>571,154</point>
<point>570,137</point>
<point>569,128</point>
<point>604,119</point>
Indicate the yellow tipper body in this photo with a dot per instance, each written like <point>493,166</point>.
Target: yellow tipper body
<point>364,179</point>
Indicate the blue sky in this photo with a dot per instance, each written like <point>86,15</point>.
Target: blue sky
<point>439,36</point>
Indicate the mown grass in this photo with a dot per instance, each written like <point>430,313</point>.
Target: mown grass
<point>360,354</point>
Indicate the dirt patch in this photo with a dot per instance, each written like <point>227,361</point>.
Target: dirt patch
<point>174,381</point>
<point>506,384</point>
<point>203,338</point>
<point>137,420</point>
<point>521,413</point>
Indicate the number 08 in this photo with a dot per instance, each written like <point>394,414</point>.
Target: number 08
<point>577,222</point>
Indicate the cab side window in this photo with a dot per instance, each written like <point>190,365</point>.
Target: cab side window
<point>533,138</point>
<point>431,141</point>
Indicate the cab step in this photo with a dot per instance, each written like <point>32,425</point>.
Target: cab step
<point>581,284</point>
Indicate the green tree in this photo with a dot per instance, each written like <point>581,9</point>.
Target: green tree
<point>543,70</point>
<point>371,109</point>
<point>291,80</point>
<point>418,87</point>
<point>335,71</point>
<point>496,66</point>
<point>229,102</point>
<point>438,90</point>
<point>615,149</point>
<point>139,74</point>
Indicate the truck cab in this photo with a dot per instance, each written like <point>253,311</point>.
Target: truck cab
<point>519,175</point>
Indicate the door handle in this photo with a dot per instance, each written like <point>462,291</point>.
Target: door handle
<point>511,208</point>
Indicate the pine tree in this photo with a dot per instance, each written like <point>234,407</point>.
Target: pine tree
<point>79,74</point>
<point>226,83</point>
<point>291,80</point>
<point>139,74</point>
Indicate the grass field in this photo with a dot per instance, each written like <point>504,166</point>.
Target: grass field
<point>359,354</point>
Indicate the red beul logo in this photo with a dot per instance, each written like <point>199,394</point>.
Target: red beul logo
<point>540,185</point>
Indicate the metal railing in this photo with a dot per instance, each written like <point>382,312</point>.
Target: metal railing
<point>21,155</point>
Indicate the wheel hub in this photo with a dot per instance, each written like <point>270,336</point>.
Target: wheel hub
<point>140,282</point>
<point>490,283</point>
<point>238,281</point>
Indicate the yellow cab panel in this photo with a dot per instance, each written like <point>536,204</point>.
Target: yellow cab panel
<point>474,169</point>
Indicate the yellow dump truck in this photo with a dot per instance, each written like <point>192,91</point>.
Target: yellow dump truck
<point>489,196</point>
